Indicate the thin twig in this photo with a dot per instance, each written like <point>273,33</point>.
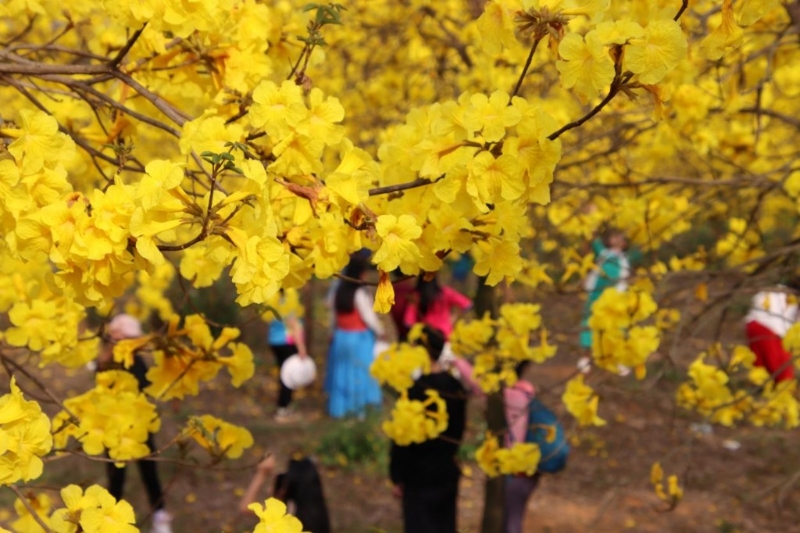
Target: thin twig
<point>525,68</point>
<point>684,5</point>
<point>125,49</point>
<point>388,189</point>
<point>612,92</point>
<point>29,507</point>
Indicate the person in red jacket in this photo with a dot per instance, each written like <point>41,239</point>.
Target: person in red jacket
<point>771,315</point>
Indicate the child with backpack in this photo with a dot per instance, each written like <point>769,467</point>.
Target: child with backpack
<point>527,420</point>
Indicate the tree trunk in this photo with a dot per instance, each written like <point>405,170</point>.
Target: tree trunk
<point>494,494</point>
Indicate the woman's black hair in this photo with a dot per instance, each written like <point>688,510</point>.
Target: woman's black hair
<point>432,339</point>
<point>302,484</point>
<point>344,301</point>
<point>521,368</point>
<point>429,292</point>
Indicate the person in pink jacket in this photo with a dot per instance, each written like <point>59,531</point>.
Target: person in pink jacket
<point>432,304</point>
<point>519,488</point>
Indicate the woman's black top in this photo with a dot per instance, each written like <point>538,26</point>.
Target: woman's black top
<point>432,462</point>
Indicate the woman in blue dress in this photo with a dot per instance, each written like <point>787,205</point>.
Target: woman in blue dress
<point>348,383</point>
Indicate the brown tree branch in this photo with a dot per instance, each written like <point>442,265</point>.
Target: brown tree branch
<point>29,507</point>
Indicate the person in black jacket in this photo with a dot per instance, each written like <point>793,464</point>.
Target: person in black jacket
<point>426,475</point>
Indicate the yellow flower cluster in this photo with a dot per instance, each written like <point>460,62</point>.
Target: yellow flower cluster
<point>674,492</point>
<point>499,345</point>
<point>185,357</point>
<point>24,437</point>
<point>92,511</point>
<point>415,421</point>
<point>618,338</point>
<point>217,437</point>
<point>582,401</point>
<point>50,326</point>
<point>283,306</point>
<point>115,416</point>
<point>727,395</point>
<point>273,518</point>
<point>40,504</point>
<point>741,246</point>
<point>397,365</point>
<point>521,458</point>
<point>84,236</point>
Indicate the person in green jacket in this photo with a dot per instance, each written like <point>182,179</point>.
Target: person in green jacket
<point>612,269</point>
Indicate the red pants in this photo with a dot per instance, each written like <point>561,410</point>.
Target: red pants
<point>770,352</point>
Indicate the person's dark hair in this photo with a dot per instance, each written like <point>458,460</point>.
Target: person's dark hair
<point>302,484</point>
<point>793,283</point>
<point>344,301</point>
<point>521,367</point>
<point>432,339</point>
<point>429,292</point>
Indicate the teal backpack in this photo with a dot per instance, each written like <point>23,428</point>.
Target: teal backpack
<point>554,453</point>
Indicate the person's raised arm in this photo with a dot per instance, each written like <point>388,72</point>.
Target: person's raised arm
<point>363,303</point>
<point>298,335</point>
<point>263,470</point>
<point>465,370</point>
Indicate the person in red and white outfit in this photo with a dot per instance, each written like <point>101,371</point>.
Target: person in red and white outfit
<point>771,315</point>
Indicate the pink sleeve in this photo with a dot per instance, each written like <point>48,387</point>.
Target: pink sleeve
<point>465,369</point>
<point>453,298</point>
<point>410,314</point>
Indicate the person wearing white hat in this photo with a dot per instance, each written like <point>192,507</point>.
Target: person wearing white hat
<point>122,327</point>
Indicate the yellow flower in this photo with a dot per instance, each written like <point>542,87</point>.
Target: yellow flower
<point>493,179</point>
<point>322,115</point>
<point>219,438</point>
<point>275,109</point>
<point>24,437</point>
<point>272,518</point>
<point>657,52</point>
<point>31,321</point>
<point>397,246</point>
<point>415,421</point>
<point>728,34</point>
<point>496,25</point>
<point>497,259</point>
<point>384,296</point>
<point>521,458</point>
<point>396,366</point>
<point>41,504</point>
<point>38,141</point>
<point>486,455</point>
<point>491,115</point>
<point>240,363</point>
<point>585,64</point>
<point>96,511</point>
<point>161,176</point>
<point>114,416</point>
<point>581,402</point>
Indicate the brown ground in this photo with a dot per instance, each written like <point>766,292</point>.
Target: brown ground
<point>605,488</point>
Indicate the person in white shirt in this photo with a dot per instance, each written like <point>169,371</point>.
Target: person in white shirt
<point>350,387</point>
<point>771,315</point>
